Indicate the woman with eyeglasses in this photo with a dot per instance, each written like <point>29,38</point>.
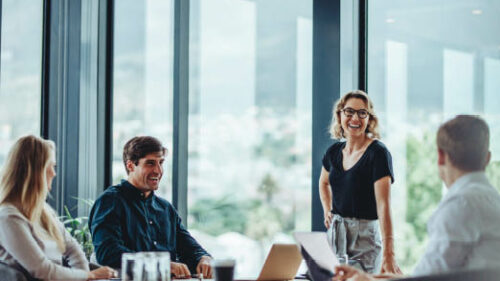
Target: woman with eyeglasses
<point>355,184</point>
<point>31,236</point>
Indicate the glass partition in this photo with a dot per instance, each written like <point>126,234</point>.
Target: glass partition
<point>249,174</point>
<point>428,61</point>
<point>20,71</point>
<point>142,79</point>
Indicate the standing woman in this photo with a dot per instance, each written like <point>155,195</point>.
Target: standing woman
<point>31,236</point>
<point>355,185</point>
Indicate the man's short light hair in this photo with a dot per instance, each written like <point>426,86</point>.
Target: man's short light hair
<point>466,140</point>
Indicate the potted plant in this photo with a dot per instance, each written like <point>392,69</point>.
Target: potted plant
<point>79,229</point>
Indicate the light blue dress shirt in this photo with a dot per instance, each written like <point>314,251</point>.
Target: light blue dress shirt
<point>464,231</point>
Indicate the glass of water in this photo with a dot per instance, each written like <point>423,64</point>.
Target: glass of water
<point>150,267</point>
<point>132,266</point>
<point>156,266</point>
<point>146,266</point>
<point>163,265</point>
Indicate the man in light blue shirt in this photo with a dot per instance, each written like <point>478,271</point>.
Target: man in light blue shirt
<point>464,231</point>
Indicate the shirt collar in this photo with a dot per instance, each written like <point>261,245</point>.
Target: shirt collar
<point>462,183</point>
<point>135,193</point>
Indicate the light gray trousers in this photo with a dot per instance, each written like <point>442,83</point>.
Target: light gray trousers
<point>359,239</point>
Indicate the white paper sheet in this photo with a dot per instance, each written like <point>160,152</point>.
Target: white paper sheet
<point>316,245</point>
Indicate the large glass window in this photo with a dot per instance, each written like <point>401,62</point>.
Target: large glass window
<point>142,99</point>
<point>20,71</point>
<point>348,45</point>
<point>249,174</point>
<point>428,61</point>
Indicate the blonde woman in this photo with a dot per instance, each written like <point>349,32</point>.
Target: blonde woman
<point>30,234</point>
<point>355,186</point>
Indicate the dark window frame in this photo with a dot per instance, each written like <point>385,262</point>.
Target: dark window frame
<point>61,93</point>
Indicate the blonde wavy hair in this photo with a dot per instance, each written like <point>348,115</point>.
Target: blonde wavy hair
<point>24,183</point>
<point>336,130</point>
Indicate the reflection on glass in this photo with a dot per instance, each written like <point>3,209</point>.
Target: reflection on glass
<point>142,99</point>
<point>21,64</point>
<point>427,61</point>
<point>348,42</point>
<point>458,81</point>
<point>491,85</point>
<point>249,160</point>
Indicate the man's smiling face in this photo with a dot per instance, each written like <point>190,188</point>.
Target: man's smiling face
<point>146,175</point>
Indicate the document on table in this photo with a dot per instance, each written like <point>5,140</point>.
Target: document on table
<point>317,246</point>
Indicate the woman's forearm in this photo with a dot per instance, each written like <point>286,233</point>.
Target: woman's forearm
<point>383,198</point>
<point>382,195</point>
<point>325,192</point>
<point>386,229</point>
<point>325,195</point>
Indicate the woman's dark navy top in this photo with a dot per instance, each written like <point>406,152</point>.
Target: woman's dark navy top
<point>353,190</point>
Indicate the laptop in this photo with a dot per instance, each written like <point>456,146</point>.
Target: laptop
<point>281,263</point>
<point>318,255</point>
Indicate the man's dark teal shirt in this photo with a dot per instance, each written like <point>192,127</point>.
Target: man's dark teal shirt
<point>123,221</point>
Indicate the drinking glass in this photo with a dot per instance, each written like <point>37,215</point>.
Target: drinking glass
<point>150,268</point>
<point>132,264</point>
<point>146,266</point>
<point>163,259</point>
<point>223,269</point>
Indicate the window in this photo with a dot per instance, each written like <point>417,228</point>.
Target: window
<point>428,61</point>
<point>20,71</point>
<point>142,100</point>
<point>249,158</point>
<point>348,45</point>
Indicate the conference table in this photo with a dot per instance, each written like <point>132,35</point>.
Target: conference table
<point>196,279</point>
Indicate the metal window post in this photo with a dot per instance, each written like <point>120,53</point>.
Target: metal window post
<point>326,87</point>
<point>61,89</point>
<point>181,107</point>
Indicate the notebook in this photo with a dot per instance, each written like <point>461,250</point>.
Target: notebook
<point>281,263</point>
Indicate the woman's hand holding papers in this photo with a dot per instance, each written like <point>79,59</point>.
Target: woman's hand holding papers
<point>349,273</point>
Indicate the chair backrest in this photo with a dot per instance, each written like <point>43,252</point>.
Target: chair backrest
<point>8,272</point>
<point>461,275</point>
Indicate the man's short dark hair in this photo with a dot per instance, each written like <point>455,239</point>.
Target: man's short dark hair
<point>138,147</point>
<point>466,140</point>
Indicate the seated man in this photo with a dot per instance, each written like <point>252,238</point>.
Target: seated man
<point>129,217</point>
<point>464,231</point>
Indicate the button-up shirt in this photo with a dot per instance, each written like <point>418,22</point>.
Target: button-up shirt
<point>464,231</point>
<point>122,220</point>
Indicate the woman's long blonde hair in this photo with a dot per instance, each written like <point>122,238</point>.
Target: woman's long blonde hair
<point>24,183</point>
<point>336,130</point>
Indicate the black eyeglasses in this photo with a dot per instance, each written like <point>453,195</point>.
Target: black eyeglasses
<point>349,112</point>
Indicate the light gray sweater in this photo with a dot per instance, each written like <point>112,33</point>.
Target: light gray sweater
<point>21,245</point>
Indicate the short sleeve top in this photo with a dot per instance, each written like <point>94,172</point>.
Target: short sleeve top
<point>353,190</point>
